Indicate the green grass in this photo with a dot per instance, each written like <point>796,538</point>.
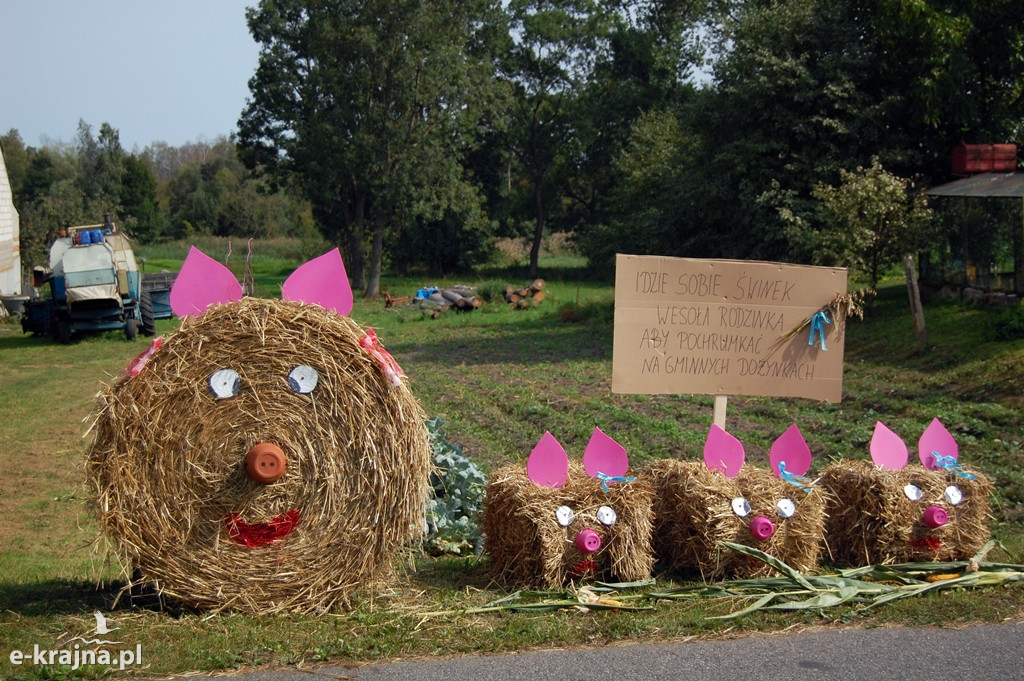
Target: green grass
<point>499,377</point>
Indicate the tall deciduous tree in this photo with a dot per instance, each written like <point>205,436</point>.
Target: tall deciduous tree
<point>555,43</point>
<point>368,106</point>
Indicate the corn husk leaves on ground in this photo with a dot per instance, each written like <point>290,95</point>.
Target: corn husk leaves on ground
<point>862,587</point>
<point>596,596</point>
<point>865,587</point>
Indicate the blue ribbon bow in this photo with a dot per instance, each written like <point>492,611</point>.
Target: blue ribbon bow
<point>605,479</point>
<point>951,464</point>
<point>818,322</point>
<point>794,479</point>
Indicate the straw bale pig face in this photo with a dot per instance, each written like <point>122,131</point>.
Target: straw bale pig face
<point>267,455</point>
<point>697,506</point>
<point>892,512</point>
<point>560,523</point>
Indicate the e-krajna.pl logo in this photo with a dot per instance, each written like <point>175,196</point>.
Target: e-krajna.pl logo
<point>79,656</point>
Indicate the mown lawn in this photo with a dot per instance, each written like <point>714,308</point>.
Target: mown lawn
<point>499,378</point>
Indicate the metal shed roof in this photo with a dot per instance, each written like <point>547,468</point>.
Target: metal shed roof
<point>991,185</point>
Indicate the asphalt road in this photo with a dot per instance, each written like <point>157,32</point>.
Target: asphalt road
<point>899,654</point>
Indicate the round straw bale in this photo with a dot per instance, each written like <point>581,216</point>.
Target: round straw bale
<point>168,463</point>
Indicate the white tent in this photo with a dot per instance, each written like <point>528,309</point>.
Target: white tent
<point>10,254</point>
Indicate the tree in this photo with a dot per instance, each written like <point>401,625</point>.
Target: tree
<point>651,213</point>
<point>368,108</point>
<point>138,200</point>
<point>789,109</point>
<point>872,220</point>
<point>555,43</point>
<point>16,160</point>
<point>101,166</point>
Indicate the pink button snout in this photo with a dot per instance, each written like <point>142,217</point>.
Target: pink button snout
<point>761,528</point>
<point>935,517</point>
<point>587,541</point>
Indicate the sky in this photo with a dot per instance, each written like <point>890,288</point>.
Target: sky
<point>173,71</point>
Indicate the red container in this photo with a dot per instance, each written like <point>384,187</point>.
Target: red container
<point>984,158</point>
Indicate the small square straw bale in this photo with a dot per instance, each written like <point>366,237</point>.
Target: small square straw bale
<point>872,521</point>
<point>693,512</point>
<point>527,545</point>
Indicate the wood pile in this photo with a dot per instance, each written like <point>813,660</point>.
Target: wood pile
<point>525,297</point>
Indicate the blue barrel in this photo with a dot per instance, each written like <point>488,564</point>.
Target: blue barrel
<point>85,236</point>
<point>97,235</point>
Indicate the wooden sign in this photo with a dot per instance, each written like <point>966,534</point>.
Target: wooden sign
<point>726,327</point>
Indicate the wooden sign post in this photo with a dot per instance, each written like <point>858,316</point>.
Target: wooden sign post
<point>727,327</point>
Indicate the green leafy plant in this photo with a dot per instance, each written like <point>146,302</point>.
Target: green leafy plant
<point>453,514</point>
<point>1008,325</point>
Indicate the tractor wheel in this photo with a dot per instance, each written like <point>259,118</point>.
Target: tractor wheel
<point>146,312</point>
<point>131,328</point>
<point>63,331</point>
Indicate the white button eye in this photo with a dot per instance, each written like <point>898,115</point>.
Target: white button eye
<point>606,516</point>
<point>225,383</point>
<point>303,379</point>
<point>786,508</point>
<point>953,495</point>
<point>913,492</point>
<point>740,507</point>
<point>565,516</point>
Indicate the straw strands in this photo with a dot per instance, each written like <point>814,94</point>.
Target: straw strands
<point>872,520</point>
<point>693,515</point>
<point>169,473</point>
<point>528,546</point>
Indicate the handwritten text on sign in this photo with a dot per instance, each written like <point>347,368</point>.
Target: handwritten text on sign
<point>720,327</point>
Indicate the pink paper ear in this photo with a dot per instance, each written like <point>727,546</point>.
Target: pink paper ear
<point>791,448</point>
<point>936,438</point>
<point>202,282</point>
<point>321,281</point>
<point>887,448</point>
<point>548,464</point>
<point>723,452</point>
<point>604,455</point>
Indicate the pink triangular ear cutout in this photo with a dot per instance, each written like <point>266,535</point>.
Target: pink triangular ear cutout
<point>202,282</point>
<point>723,453</point>
<point>321,281</point>
<point>604,455</point>
<point>791,448</point>
<point>548,464</point>
<point>936,438</point>
<point>887,448</point>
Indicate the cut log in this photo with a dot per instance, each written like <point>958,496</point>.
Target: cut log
<point>526,296</point>
<point>455,299</point>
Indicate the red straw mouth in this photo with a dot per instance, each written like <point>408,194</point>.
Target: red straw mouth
<point>584,567</point>
<point>933,543</point>
<point>259,534</point>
